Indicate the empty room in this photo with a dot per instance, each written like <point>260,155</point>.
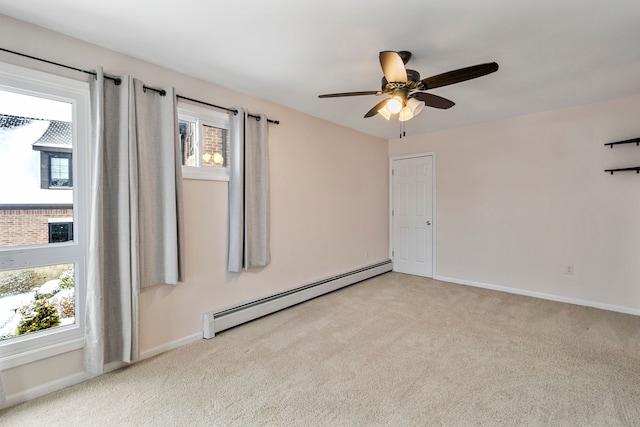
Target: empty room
<point>334,213</point>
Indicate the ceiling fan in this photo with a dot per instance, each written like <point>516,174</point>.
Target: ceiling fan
<point>407,96</point>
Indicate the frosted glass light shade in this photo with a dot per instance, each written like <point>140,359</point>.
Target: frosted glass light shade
<point>394,105</point>
<point>415,106</point>
<point>384,112</point>
<point>405,114</point>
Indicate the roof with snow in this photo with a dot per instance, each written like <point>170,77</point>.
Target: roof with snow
<point>9,122</point>
<point>22,139</point>
<point>57,136</point>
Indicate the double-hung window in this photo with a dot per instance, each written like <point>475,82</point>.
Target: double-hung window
<point>204,142</point>
<point>44,194</point>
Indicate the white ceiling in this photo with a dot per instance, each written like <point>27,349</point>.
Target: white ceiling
<point>552,53</point>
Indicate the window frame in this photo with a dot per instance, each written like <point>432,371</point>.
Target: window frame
<point>204,117</point>
<point>28,348</point>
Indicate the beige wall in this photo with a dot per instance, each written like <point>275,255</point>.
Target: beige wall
<point>519,199</point>
<point>329,204</point>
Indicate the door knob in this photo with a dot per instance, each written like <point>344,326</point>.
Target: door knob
<point>428,222</point>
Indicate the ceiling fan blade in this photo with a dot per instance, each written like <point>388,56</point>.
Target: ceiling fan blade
<point>375,109</point>
<point>335,95</point>
<point>393,67</point>
<point>434,101</point>
<point>457,76</point>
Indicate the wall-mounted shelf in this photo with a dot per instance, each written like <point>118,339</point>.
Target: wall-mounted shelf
<point>627,141</point>
<point>635,168</point>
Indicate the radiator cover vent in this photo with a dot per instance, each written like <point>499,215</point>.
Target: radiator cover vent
<point>217,321</point>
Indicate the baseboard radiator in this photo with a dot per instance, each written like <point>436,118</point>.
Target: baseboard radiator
<point>215,322</point>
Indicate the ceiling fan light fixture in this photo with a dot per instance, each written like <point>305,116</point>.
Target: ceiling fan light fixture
<point>405,114</point>
<point>415,106</point>
<point>384,112</point>
<point>406,92</point>
<point>395,104</point>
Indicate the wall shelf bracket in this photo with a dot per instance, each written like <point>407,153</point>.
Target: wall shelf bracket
<point>635,168</point>
<point>626,141</point>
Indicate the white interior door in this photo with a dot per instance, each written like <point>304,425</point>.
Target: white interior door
<point>412,215</point>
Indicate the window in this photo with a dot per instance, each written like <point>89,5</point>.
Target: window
<point>60,231</point>
<point>204,143</point>
<point>55,146</point>
<point>59,170</point>
<point>44,139</point>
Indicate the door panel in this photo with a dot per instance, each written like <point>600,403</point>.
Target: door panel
<point>413,216</point>
<point>404,243</point>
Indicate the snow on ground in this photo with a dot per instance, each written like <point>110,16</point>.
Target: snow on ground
<point>11,304</point>
<point>49,287</point>
<point>9,315</point>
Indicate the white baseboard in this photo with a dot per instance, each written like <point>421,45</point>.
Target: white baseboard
<point>170,345</point>
<point>541,295</point>
<point>41,390</point>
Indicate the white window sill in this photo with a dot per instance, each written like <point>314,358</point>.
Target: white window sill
<point>43,352</point>
<point>204,173</point>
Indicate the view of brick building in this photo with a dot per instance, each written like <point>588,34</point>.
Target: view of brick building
<point>215,147</point>
<point>214,140</point>
<point>37,207</point>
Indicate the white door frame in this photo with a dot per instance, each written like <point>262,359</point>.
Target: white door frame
<point>435,221</point>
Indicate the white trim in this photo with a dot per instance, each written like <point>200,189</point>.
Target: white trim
<point>41,390</point>
<point>433,205</point>
<point>21,75</point>
<point>202,116</point>
<point>541,295</point>
<point>170,346</point>
<point>208,114</point>
<point>205,173</point>
<point>57,220</point>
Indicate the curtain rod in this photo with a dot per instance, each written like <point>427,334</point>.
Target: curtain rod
<point>231,110</point>
<point>117,81</point>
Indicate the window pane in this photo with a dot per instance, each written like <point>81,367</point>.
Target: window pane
<point>60,232</point>
<point>187,142</point>
<point>35,167</point>
<point>59,171</point>
<point>36,299</point>
<point>215,147</point>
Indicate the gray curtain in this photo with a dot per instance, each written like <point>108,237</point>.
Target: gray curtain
<point>249,209</point>
<point>135,236</point>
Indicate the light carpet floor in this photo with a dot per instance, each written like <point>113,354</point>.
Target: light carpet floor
<point>394,350</point>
